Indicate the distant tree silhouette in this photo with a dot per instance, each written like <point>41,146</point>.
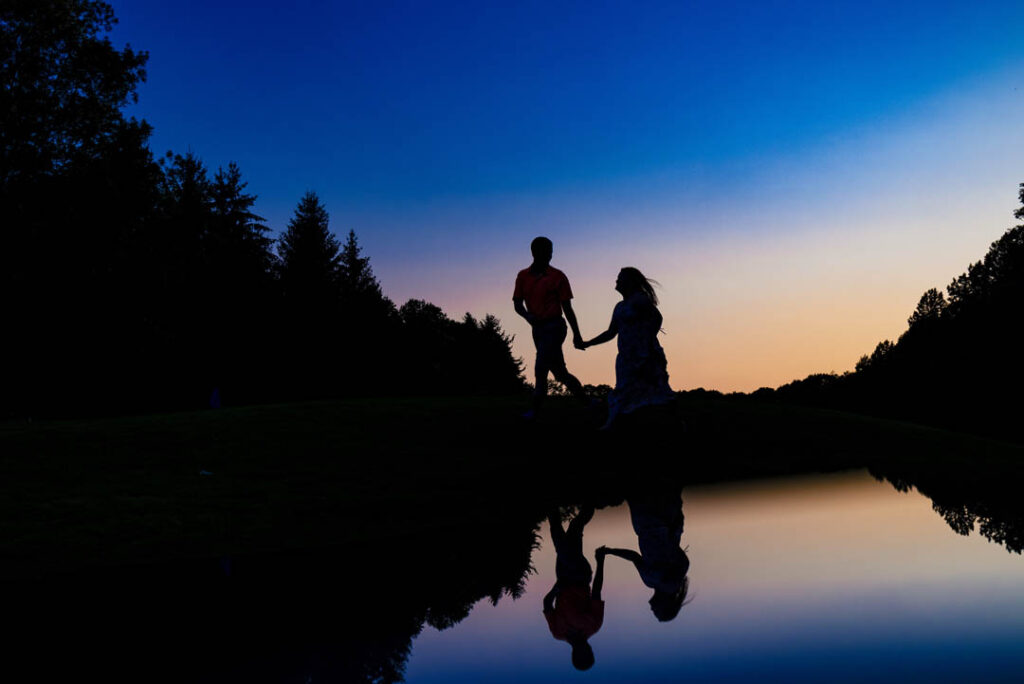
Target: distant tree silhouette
<point>929,308</point>
<point>357,279</point>
<point>74,195</point>
<point>62,87</point>
<point>310,275</point>
<point>310,262</point>
<point>369,345</point>
<point>186,305</point>
<point>241,289</point>
<point>500,370</point>
<point>133,285</point>
<point>958,361</point>
<point>445,356</point>
<point>236,231</point>
<point>877,358</point>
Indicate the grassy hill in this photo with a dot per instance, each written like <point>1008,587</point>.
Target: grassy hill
<point>79,494</point>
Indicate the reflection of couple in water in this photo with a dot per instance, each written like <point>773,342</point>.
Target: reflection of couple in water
<point>574,609</point>
<point>542,294</point>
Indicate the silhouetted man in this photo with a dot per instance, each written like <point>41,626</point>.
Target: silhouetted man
<point>541,296</point>
<point>573,609</point>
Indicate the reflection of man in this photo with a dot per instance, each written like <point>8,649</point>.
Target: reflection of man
<point>542,294</point>
<point>573,609</point>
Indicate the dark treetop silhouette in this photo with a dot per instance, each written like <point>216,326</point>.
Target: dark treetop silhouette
<point>135,285</point>
<point>957,365</point>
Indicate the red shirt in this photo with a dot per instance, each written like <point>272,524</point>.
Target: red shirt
<point>543,294</point>
<point>575,612</point>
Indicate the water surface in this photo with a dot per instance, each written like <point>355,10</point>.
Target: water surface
<point>835,578</point>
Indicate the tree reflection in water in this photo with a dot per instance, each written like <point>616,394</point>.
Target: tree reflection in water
<point>352,613</point>
<point>966,497</point>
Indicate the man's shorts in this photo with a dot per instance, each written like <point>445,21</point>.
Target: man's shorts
<point>548,338</point>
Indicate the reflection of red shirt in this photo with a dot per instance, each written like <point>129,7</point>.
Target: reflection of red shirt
<point>543,294</point>
<point>575,611</point>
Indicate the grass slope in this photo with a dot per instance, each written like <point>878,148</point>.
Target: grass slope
<point>79,494</point>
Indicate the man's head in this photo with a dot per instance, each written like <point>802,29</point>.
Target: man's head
<point>542,249</point>
<point>582,654</point>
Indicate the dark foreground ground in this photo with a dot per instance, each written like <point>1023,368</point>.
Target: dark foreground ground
<point>96,493</point>
<point>313,542</point>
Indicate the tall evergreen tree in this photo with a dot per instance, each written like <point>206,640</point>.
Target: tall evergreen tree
<point>239,264</point>
<point>355,273</point>
<point>370,344</point>
<point>310,263</point>
<point>235,229</point>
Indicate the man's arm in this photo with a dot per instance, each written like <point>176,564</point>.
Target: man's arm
<point>570,316</point>
<point>549,599</point>
<point>520,308</point>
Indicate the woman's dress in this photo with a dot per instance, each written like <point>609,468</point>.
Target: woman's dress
<point>641,371</point>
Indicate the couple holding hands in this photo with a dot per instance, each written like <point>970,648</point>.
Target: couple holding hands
<point>542,294</point>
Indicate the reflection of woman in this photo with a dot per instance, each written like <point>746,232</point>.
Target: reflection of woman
<point>662,564</point>
<point>641,375</point>
<point>573,609</point>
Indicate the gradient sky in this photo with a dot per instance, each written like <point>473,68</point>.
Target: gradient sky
<point>794,174</point>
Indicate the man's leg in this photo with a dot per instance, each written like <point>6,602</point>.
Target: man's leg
<point>585,514</point>
<point>544,342</point>
<point>556,361</point>
<point>557,533</point>
<point>540,387</point>
<point>574,386</point>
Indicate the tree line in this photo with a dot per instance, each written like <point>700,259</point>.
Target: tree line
<point>960,362</point>
<point>133,283</point>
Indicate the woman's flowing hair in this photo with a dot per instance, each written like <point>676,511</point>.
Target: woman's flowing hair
<point>643,283</point>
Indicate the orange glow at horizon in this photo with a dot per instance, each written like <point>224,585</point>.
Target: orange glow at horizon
<point>802,265</point>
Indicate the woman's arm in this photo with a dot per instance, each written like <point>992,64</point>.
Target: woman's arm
<point>609,334</point>
<point>627,554</point>
<point>595,591</point>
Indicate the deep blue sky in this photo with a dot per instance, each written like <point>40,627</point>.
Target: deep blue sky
<point>390,102</point>
<point>715,145</point>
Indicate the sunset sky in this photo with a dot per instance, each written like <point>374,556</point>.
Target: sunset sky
<point>794,174</point>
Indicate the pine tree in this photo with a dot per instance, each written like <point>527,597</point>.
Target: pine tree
<point>362,297</point>
<point>311,325</point>
<point>240,287</point>
<point>310,264</point>
<point>372,321</point>
<point>357,277</point>
<point>235,221</point>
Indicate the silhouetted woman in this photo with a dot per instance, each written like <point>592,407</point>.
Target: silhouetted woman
<point>662,565</point>
<point>641,371</point>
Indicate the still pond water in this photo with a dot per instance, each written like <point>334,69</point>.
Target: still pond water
<point>826,578</point>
